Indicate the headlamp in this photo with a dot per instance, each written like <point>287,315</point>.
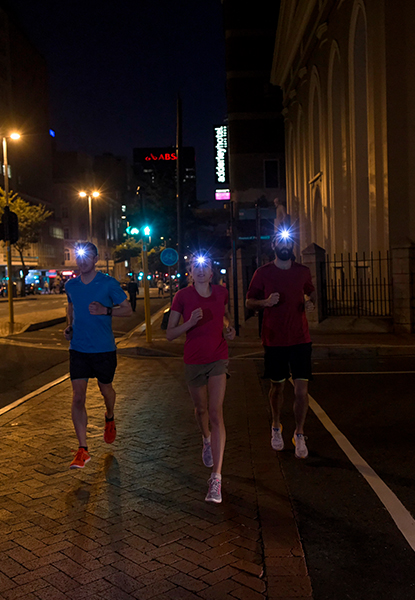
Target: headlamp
<point>201,259</point>
<point>284,235</point>
<point>80,251</point>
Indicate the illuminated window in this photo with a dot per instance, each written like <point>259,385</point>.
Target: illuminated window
<point>56,232</point>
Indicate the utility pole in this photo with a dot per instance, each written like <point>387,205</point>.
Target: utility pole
<point>7,238</point>
<point>179,199</point>
<point>234,266</point>
<point>147,312</point>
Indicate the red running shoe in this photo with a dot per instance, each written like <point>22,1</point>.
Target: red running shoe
<point>80,460</point>
<point>110,431</point>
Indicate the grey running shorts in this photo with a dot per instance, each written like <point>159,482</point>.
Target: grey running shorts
<point>198,375</point>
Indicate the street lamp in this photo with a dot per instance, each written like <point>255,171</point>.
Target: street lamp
<point>13,136</point>
<point>90,195</point>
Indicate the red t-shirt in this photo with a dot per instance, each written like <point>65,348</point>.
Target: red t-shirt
<point>284,324</point>
<point>204,342</point>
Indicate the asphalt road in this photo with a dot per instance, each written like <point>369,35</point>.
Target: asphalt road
<point>41,303</point>
<point>354,549</point>
<point>33,359</point>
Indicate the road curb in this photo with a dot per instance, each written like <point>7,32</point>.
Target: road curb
<point>44,324</point>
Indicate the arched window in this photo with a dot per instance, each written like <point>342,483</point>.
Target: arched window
<point>339,199</point>
<point>359,130</point>
<point>316,162</point>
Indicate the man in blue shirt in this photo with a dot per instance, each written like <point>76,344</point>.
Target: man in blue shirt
<point>92,300</point>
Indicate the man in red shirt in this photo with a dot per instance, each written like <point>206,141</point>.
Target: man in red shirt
<point>279,288</point>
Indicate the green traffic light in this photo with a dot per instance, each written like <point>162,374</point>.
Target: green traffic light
<point>147,230</point>
<point>134,231</point>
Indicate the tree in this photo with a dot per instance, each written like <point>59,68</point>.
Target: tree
<point>31,218</point>
<point>127,250</point>
<point>154,262</point>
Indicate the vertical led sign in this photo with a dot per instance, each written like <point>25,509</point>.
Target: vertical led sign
<point>221,155</point>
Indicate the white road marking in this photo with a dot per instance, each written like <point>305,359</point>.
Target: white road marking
<point>44,388</point>
<point>402,517</point>
<point>363,373</point>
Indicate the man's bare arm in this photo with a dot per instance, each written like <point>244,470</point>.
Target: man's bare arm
<point>121,310</point>
<point>254,304</point>
<point>69,320</point>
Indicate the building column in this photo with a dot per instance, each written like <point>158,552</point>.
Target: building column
<point>314,257</point>
<point>403,267</point>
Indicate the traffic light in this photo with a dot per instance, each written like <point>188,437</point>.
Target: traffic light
<point>131,230</point>
<point>147,230</point>
<point>9,226</point>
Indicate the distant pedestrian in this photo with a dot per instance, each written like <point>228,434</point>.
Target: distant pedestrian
<point>283,219</point>
<point>92,299</point>
<point>160,286</point>
<point>203,307</point>
<point>279,288</point>
<point>132,289</point>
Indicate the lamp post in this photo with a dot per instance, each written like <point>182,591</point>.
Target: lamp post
<point>13,136</point>
<point>90,195</point>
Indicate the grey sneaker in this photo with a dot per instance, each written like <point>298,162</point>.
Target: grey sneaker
<point>207,454</point>
<point>301,450</point>
<point>277,443</point>
<point>214,492</point>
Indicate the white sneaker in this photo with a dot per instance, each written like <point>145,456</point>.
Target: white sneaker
<point>214,492</point>
<point>301,450</point>
<point>207,454</point>
<point>277,443</point>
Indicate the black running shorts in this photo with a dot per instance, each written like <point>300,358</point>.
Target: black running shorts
<point>282,362</point>
<point>86,365</point>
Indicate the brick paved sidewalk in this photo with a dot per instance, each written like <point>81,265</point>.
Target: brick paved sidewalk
<point>134,524</point>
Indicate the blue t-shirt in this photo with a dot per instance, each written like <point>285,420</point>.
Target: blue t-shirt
<point>93,333</point>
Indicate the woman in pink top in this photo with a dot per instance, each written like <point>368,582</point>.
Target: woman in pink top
<point>203,307</point>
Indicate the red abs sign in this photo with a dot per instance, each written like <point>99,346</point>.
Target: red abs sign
<point>166,156</point>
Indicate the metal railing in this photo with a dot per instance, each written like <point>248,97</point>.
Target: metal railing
<point>360,287</point>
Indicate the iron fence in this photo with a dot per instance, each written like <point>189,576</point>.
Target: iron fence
<point>360,287</point>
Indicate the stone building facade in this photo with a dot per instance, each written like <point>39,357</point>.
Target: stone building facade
<point>346,68</point>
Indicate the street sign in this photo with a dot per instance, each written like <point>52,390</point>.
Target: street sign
<point>169,257</point>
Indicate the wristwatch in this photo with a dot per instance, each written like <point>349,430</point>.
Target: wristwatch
<point>109,311</point>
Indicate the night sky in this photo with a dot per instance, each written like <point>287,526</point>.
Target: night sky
<point>115,69</point>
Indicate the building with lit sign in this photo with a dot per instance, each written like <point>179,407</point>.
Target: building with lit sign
<point>149,161</point>
<point>255,130</point>
<point>221,154</point>
<point>151,165</point>
<point>221,162</point>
